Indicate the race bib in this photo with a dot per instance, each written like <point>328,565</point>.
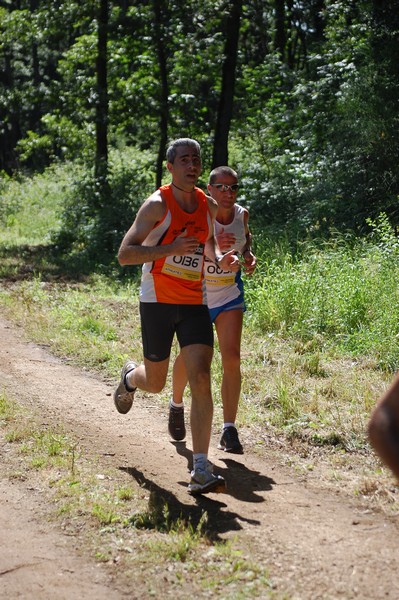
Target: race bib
<point>187,267</point>
<point>217,277</point>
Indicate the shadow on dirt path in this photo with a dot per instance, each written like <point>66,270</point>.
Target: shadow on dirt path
<point>219,519</point>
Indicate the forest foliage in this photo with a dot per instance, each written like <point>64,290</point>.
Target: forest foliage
<point>300,97</point>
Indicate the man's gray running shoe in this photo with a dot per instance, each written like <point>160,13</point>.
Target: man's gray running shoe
<point>123,397</point>
<point>229,441</point>
<point>176,426</point>
<point>204,481</point>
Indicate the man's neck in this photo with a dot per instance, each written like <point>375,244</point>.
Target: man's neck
<point>182,189</point>
<point>225,216</point>
<point>186,199</point>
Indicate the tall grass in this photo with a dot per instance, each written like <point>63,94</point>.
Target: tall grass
<point>343,292</point>
<point>96,322</point>
<point>30,207</point>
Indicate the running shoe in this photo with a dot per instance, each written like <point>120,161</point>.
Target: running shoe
<point>123,397</point>
<point>204,481</point>
<point>176,426</point>
<point>229,441</point>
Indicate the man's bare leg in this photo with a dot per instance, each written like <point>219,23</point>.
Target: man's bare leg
<point>176,422</point>
<point>179,379</point>
<point>150,376</point>
<point>197,359</point>
<point>229,327</point>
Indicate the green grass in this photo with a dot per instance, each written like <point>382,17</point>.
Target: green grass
<point>30,206</point>
<point>337,294</point>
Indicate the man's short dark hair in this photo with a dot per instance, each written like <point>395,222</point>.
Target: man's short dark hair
<point>171,151</point>
<point>221,171</point>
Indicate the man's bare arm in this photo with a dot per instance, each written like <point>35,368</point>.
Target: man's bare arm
<point>249,257</point>
<point>133,252</point>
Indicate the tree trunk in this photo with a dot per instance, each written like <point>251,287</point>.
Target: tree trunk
<point>225,110</point>
<point>385,35</point>
<point>280,36</point>
<point>101,159</point>
<point>11,117</point>
<point>163,70</point>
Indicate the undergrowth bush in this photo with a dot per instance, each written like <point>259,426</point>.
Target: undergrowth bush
<point>92,227</point>
<point>344,290</point>
<point>30,206</point>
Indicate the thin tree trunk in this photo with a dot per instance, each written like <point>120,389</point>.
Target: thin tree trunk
<point>101,160</point>
<point>12,133</point>
<point>280,37</point>
<point>385,36</point>
<point>164,105</point>
<point>225,111</point>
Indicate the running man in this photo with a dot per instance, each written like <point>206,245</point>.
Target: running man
<point>226,305</point>
<point>169,236</point>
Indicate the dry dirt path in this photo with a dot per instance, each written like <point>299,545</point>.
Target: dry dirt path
<point>317,543</point>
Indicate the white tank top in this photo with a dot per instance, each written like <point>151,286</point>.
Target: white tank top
<point>224,286</point>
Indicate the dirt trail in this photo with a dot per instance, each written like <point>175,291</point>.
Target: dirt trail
<point>316,542</point>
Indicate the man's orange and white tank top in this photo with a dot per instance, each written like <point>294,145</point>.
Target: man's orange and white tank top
<point>177,279</point>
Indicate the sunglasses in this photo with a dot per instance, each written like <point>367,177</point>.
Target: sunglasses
<point>223,187</point>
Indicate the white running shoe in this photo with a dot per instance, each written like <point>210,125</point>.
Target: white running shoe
<point>204,481</point>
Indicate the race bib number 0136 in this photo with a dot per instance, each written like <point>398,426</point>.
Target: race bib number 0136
<point>187,267</point>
